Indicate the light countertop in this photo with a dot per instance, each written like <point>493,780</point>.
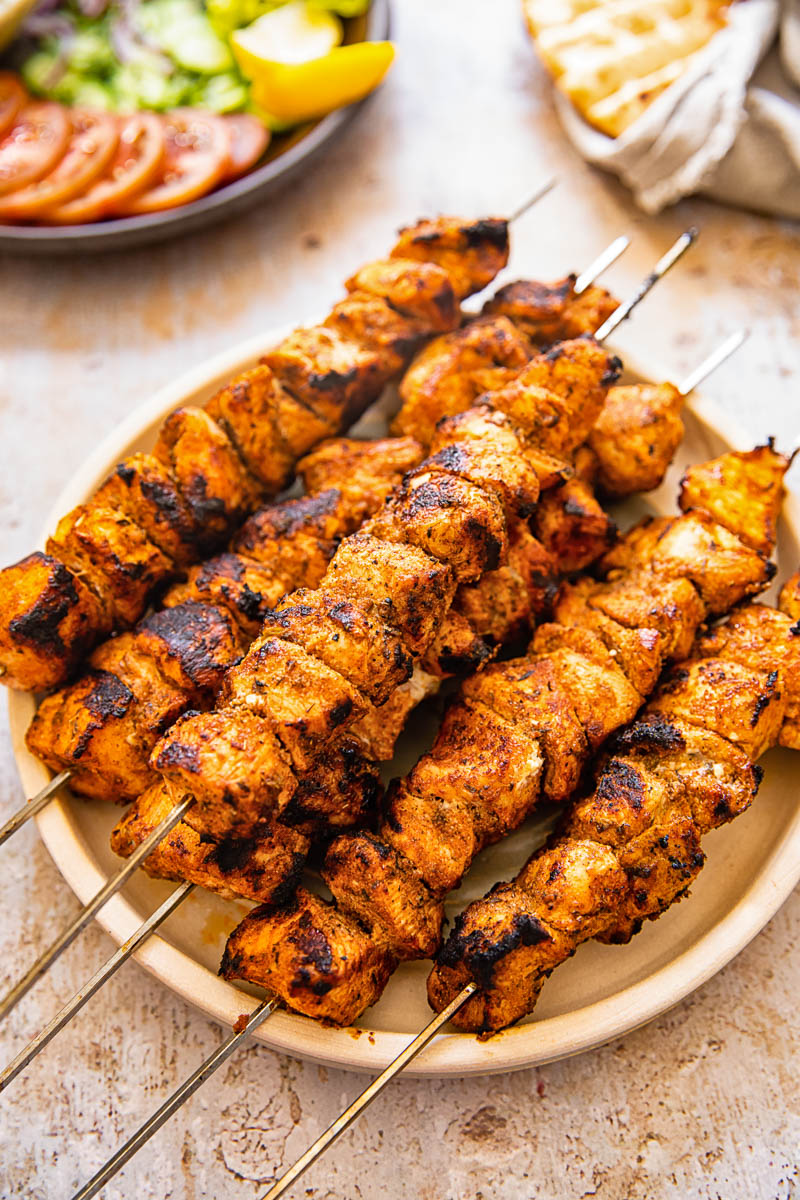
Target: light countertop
<point>704,1102</point>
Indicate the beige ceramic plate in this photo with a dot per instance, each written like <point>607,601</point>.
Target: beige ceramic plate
<point>601,993</point>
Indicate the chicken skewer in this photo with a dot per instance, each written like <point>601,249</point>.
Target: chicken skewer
<point>717,593</point>
<point>69,1010</point>
<point>470,549</point>
<point>58,1022</point>
<point>516,734</point>
<point>210,467</point>
<point>632,848</point>
<point>237,583</point>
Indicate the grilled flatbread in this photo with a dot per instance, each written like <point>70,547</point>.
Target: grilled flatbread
<point>612,58</point>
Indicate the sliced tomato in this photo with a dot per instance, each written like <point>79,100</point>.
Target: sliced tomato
<point>137,161</point>
<point>248,141</point>
<point>95,137</point>
<point>12,98</point>
<point>196,157</point>
<point>33,145</point>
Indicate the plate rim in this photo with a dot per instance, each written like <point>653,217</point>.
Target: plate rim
<point>364,1050</point>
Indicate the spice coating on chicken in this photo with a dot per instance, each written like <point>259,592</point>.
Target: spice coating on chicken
<point>50,619</point>
<point>210,467</point>
<point>446,377</point>
<point>264,868</point>
<point>632,847</point>
<point>547,313</point>
<point>526,729</point>
<point>635,438</point>
<point>104,726</point>
<point>302,677</point>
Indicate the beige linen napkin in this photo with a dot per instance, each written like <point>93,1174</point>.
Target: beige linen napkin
<point>717,130</point>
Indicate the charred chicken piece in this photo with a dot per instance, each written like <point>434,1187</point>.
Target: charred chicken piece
<point>209,468</point>
<point>526,729</point>
<point>104,726</point>
<point>265,867</point>
<point>547,313</point>
<point>633,846</point>
<point>447,377</point>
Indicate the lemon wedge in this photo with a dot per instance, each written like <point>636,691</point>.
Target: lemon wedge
<point>295,92</point>
<point>293,33</point>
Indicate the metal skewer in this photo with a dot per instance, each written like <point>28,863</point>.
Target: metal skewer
<point>343,1122</point>
<point>188,1088</point>
<point>604,260</point>
<point>32,807</point>
<point>85,994</point>
<point>346,1119</point>
<point>543,190</point>
<point>109,889</point>
<point>620,314</point>
<point>714,360</point>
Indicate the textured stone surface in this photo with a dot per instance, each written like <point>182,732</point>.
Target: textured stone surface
<point>704,1102</point>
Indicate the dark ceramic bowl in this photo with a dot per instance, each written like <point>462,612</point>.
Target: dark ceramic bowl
<point>287,156</point>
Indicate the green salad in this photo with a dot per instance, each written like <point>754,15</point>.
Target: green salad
<point>158,54</point>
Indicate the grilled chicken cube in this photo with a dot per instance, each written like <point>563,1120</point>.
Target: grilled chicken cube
<point>752,636</point>
<point>445,378</point>
<point>695,547</point>
<point>296,539</point>
<point>559,395</point>
<point>247,409</point>
<point>641,600</point>
<point>479,782</point>
<point>364,472</point>
<point>546,313</point>
<point>504,947</point>
<point>49,619</point>
<point>232,764</point>
<point>483,447</point>
<point>212,478</point>
<point>572,527</point>
<point>371,322</point>
<point>307,702</point>
<point>264,868</point>
<point>244,589</point>
<point>601,695</point>
<point>501,606</point>
<point>635,437</point>
<point>111,554</point>
<point>471,253</point>
<point>639,651</point>
<point>193,646</point>
<point>744,492</point>
<point>341,788</point>
<point>454,521</point>
<point>415,289</point>
<point>716,777</point>
<point>457,649</point>
<point>90,728</point>
<point>142,488</point>
<point>384,892</point>
<point>328,373</point>
<point>530,696</point>
<point>789,598</point>
<point>341,634</point>
<point>409,589</point>
<point>323,964</point>
<point>744,705</point>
